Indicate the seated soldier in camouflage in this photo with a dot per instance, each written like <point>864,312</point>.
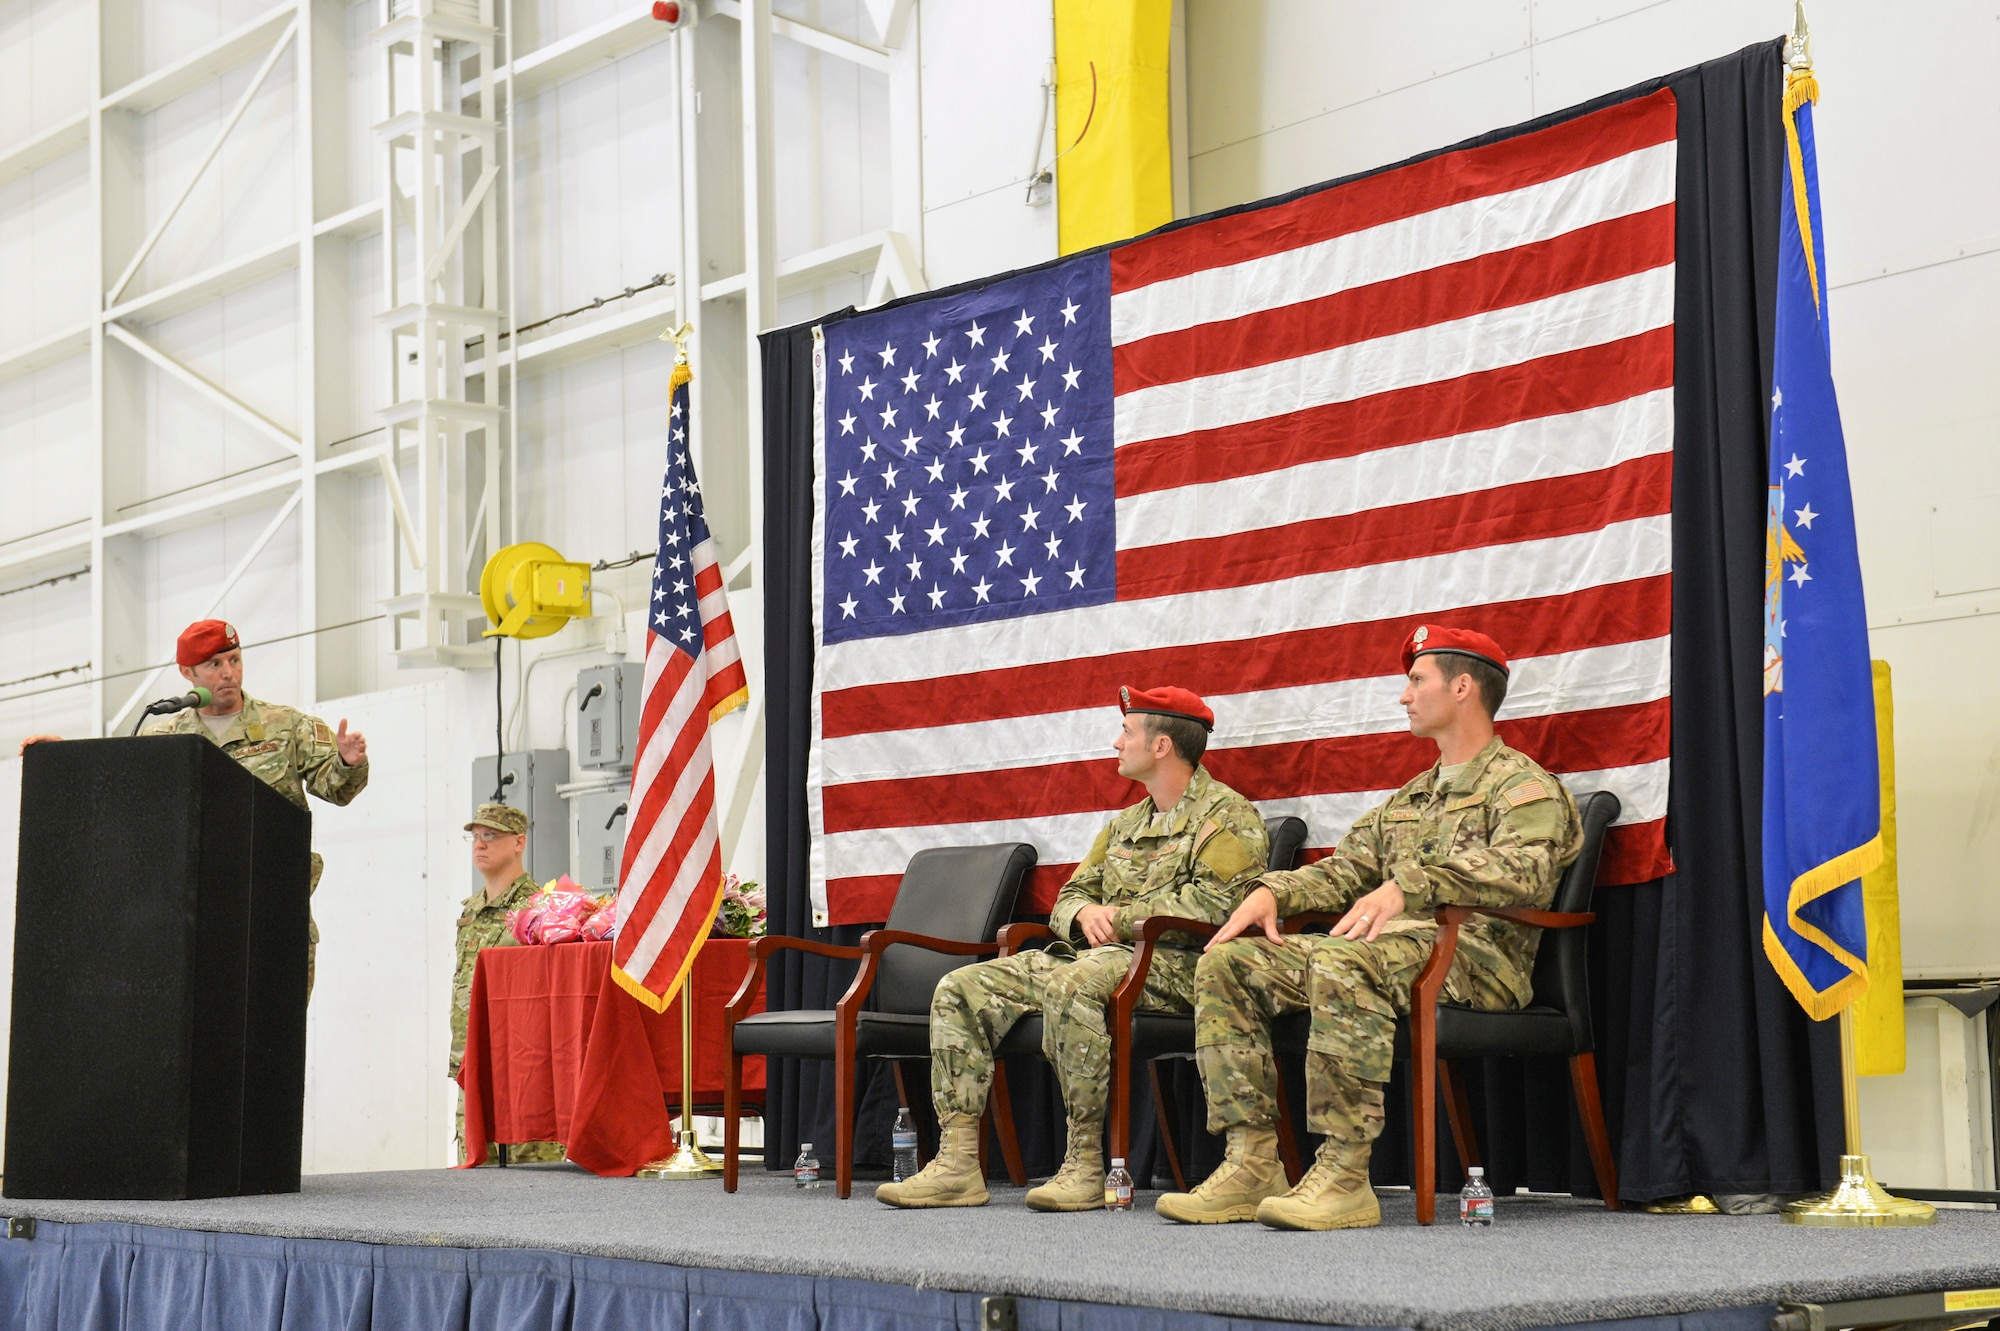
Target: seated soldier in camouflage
<point>1485,825</point>
<point>1187,849</point>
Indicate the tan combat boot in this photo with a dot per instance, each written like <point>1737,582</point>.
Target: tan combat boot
<point>1248,1174</point>
<point>952,1178</point>
<point>1334,1194</point>
<point>1079,1184</point>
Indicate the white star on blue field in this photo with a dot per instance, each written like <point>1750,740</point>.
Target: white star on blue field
<point>969,456</point>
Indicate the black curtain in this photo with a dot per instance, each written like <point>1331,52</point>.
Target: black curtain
<point>1713,1078</point>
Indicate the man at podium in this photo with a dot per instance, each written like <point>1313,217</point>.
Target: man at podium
<point>293,753</point>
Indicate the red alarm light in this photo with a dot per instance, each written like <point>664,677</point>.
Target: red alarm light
<point>667,11</point>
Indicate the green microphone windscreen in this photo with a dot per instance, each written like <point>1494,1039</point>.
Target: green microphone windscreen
<point>206,697</point>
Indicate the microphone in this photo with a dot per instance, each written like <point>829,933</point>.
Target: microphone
<point>195,697</point>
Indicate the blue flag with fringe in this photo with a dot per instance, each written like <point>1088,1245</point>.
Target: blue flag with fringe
<point>1822,803</point>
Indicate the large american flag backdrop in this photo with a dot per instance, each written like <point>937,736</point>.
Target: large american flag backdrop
<point>1245,456</point>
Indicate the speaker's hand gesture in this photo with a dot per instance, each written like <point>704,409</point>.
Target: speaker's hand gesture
<point>353,745</point>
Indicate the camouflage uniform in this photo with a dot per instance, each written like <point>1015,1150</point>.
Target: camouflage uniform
<point>1192,860</point>
<point>290,752</point>
<point>1499,832</point>
<point>483,924</point>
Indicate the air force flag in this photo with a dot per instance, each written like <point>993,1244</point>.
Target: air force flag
<point>1822,814</point>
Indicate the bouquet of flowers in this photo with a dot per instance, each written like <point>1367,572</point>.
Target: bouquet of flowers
<point>562,912</point>
<point>742,912</point>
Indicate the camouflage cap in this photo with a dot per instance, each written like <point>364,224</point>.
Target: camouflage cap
<point>499,817</point>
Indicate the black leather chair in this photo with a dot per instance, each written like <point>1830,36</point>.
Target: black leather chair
<point>1556,1021</point>
<point>948,909</point>
<point>1154,1035</point>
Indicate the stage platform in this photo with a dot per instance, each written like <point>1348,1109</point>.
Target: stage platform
<point>551,1246</point>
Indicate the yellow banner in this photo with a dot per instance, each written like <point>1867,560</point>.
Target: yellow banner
<point>1114,175</point>
<point>1878,1013</point>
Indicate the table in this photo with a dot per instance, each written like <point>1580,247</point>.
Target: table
<point>556,1051</point>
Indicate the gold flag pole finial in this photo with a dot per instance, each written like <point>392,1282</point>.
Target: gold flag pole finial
<point>1798,50</point>
<point>679,337</point>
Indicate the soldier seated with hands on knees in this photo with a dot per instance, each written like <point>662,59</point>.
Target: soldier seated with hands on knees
<point>1188,849</point>
<point>1484,825</point>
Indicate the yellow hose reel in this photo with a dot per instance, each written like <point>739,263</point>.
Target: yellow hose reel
<point>530,591</point>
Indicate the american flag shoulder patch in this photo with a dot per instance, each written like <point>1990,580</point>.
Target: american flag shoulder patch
<point>1527,793</point>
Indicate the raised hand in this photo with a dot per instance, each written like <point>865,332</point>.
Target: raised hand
<point>353,745</point>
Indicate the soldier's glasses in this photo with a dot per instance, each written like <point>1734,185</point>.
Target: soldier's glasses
<point>486,837</point>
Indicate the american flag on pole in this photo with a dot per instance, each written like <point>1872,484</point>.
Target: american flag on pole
<point>1245,456</point>
<point>671,881</point>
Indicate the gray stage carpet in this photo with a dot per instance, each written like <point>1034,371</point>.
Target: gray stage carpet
<point>1547,1261</point>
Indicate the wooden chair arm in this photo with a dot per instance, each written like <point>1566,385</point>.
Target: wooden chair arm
<point>1125,998</point>
<point>761,949</point>
<point>1015,937</point>
<point>1430,980</point>
<point>877,940</point>
<point>1155,927</point>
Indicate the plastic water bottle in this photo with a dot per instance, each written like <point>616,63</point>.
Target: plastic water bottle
<point>903,1144</point>
<point>1475,1200</point>
<point>1118,1186</point>
<point>805,1169</point>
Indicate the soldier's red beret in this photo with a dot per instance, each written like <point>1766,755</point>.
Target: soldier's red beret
<point>1427,638</point>
<point>1167,702</point>
<point>202,639</point>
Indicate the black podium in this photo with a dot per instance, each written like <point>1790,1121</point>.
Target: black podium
<point>159,1024</point>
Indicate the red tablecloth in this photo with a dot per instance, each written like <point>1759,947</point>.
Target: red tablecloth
<point>556,1051</point>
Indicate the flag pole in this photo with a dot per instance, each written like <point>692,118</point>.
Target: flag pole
<point>688,1159</point>
<point>1859,1202</point>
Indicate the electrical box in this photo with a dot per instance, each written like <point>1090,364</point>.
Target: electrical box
<point>600,837</point>
<point>608,699</point>
<point>528,781</point>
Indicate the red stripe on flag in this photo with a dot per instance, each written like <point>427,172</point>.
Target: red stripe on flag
<point>1547,386</point>
<point>1437,182</point>
<point>1504,515</point>
<point>1592,617</point>
<point>1624,736</point>
<point>718,630</point>
<point>1634,853</point>
<point>1601,252</point>
<point>1567,741</point>
<point>664,870</point>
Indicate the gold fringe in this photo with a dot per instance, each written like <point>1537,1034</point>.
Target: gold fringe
<point>1819,1006</point>
<point>1801,87</point>
<point>729,704</point>
<point>683,374</point>
<point>1807,888</point>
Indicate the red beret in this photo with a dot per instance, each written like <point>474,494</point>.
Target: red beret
<point>1427,638</point>
<point>203,639</point>
<point>1166,702</point>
